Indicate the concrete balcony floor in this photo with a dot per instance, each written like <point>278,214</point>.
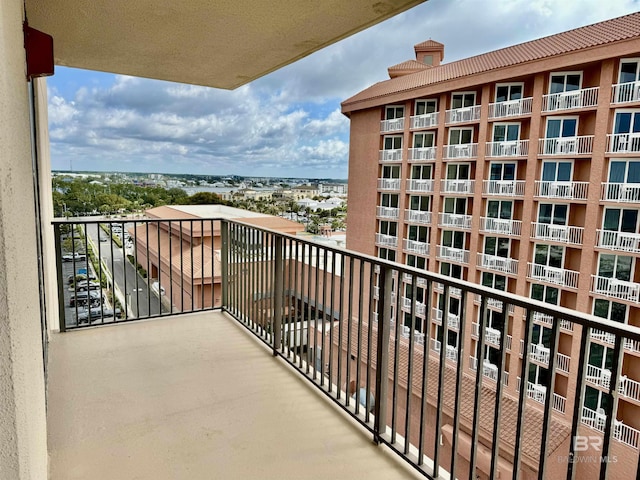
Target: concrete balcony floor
<point>195,397</point>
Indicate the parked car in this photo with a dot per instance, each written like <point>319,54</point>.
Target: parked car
<point>83,286</point>
<point>74,257</point>
<point>83,298</point>
<point>95,313</point>
<point>79,277</point>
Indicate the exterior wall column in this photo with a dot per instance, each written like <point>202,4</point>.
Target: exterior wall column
<point>23,433</point>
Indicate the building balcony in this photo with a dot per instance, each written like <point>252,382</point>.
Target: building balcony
<point>386,240</point>
<point>514,148</point>
<point>541,354</point>
<point>393,125</point>
<point>561,190</point>
<point>491,336</point>
<point>454,220</point>
<point>459,187</point>
<point>629,388</point>
<point>391,156</point>
<point>547,321</point>
<point>419,185</point>
<point>428,120</point>
<point>462,115</point>
<point>407,304</point>
<point>416,247</point>
<point>620,192</point>
<point>618,241</point>
<point>600,377</point>
<point>566,146</point>
<point>493,304</point>
<point>426,154</point>
<point>566,234</point>
<point>451,352</point>
<point>539,394</point>
<point>623,143</point>
<point>503,188</point>
<point>498,264</point>
<point>417,216</point>
<point>391,213</point>
<point>583,98</point>
<point>500,226</point>
<point>556,276</point>
<point>614,288</point>
<point>489,370</point>
<point>392,184</point>
<point>453,320</point>
<point>510,108</point>
<point>453,254</point>
<point>597,420</point>
<point>625,93</point>
<point>462,150</point>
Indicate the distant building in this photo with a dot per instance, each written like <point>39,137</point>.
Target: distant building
<point>333,188</point>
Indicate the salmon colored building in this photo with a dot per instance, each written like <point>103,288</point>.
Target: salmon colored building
<point>517,169</point>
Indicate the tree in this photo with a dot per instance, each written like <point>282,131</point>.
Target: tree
<point>205,198</point>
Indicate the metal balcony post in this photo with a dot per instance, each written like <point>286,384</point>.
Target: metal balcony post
<point>224,261</point>
<point>382,352</point>
<point>278,273</point>
<point>62,321</point>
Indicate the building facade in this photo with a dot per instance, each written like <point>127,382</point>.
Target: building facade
<point>519,170</point>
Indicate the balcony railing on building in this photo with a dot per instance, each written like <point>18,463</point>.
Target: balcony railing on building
<point>556,276</point>
<point>547,321</point>
<point>621,192</point>
<point>451,352</point>
<point>408,303</point>
<point>425,154</point>
<point>623,143</point>
<point>513,148</point>
<point>541,354</point>
<point>455,220</point>
<point>566,146</point>
<point>388,212</point>
<point>563,190</point>
<point>415,246</point>
<point>618,241</point>
<point>420,185</point>
<point>461,150</point>
<point>498,264</point>
<point>492,336</point>
<point>391,156</point>
<point>427,120</point>
<point>462,115</point>
<point>389,184</point>
<point>503,188</point>
<point>493,304</point>
<point>393,125</point>
<point>625,92</point>
<point>386,240</point>
<point>460,187</point>
<point>547,232</point>
<point>453,254</point>
<point>510,108</point>
<point>453,320</point>
<point>500,226</point>
<point>417,216</point>
<point>615,288</point>
<point>489,370</point>
<point>621,432</point>
<point>583,98</point>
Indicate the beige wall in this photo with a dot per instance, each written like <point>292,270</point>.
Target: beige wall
<point>23,448</point>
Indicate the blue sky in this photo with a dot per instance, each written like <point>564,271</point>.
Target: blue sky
<point>287,123</point>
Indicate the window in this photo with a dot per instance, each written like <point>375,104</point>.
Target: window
<point>418,233</point>
<point>460,136</point>
<point>629,70</point>
<point>458,171</point>
<point>421,172</point>
<point>416,261</point>
<point>565,82</point>
<point>621,171</point>
<point>549,255</point>
<point>562,127</point>
<point>453,239</point>
<point>388,228</point>
<point>426,106</point>
<point>499,209</point>
<point>615,266</point>
<point>393,142</point>
<point>497,246</point>
<point>627,121</point>
<point>502,171</point>
<point>614,311</point>
<point>392,112</point>
<point>463,99</point>
<point>600,356</point>
<point>421,203</point>
<point>509,91</point>
<point>491,280</point>
<point>455,205</point>
<point>620,220</point>
<point>451,270</point>
<point>598,401</point>
<point>538,375</point>
<point>545,293</point>
<point>506,132</point>
<point>387,254</point>
<point>423,140</point>
<point>556,171</point>
<point>390,171</point>
<point>553,214</point>
<point>427,59</point>
<point>389,200</point>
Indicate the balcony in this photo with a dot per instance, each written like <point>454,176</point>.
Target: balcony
<point>547,321</point>
<point>503,188</point>
<point>618,241</point>
<point>391,213</point>
<point>462,115</point>
<point>541,354</point>
<point>583,98</point>
<point>493,304</point>
<point>453,254</point>
<point>625,93</point>
<point>416,247</point>
<point>417,216</point>
<point>393,125</point>
<point>515,148</point>
<point>391,156</point>
<point>629,388</point>
<point>621,192</point>
<point>566,234</point>
<point>453,320</point>
<point>500,226</point>
<point>510,108</point>
<point>498,264</point>
<point>428,120</point>
<point>566,146</point>
<point>597,420</point>
<point>539,394</point>
<point>407,304</point>
<point>489,370</point>
<point>389,184</point>
<point>459,187</point>
<point>462,150</point>
<point>455,220</point>
<point>419,185</point>
<point>556,276</point>
<point>451,352</point>
<point>386,240</point>
<point>426,154</point>
<point>623,143</point>
<point>561,190</point>
<point>600,377</point>
<point>614,288</point>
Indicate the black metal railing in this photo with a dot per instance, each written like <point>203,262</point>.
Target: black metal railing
<point>454,377</point>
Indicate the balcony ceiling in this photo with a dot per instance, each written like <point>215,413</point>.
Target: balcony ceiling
<point>222,43</point>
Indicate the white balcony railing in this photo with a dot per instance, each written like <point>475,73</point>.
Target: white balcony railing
<point>503,188</point>
<point>565,146</point>
<point>453,320</point>
<point>417,216</point>
<point>414,246</point>
<point>386,240</point>
<point>500,226</point>
<point>623,143</point>
<point>465,187</point>
<point>394,155</point>
<point>602,336</point>
<point>585,97</point>
<point>453,254</point>
<point>598,376</point>
<point>424,154</point>
<point>462,150</point>
<point>419,308</point>
<point>567,190</point>
<point>493,304</point>
<point>543,319</point>
<point>629,388</point>
<point>393,125</point>
<point>388,212</point>
<point>498,264</point>
<point>389,184</point>
<point>621,192</point>
<point>428,120</point>
<point>451,353</point>
<point>618,241</point>
<point>462,115</point>
<point>510,108</point>
<point>513,148</point>
<point>557,233</point>
<point>539,394</point>
<point>621,432</point>
<point>454,220</point>
<point>625,92</point>
<point>556,276</point>
<point>614,288</point>
<point>541,354</point>
<point>420,185</point>
<point>489,370</point>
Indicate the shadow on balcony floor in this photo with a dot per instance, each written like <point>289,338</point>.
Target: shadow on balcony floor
<point>194,397</point>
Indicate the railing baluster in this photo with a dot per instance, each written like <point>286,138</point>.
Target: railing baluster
<point>331,310</point>
<point>412,314</point>
<point>359,336</point>
<point>57,238</point>
<point>367,415</point>
<point>429,291</point>
<point>382,352</point>
<point>612,407</point>
<point>495,443</point>
<point>484,311</point>
<point>349,329</point>
<point>524,375</point>
<point>458,387</point>
<point>278,273</point>
<point>441,370</point>
<point>341,321</point>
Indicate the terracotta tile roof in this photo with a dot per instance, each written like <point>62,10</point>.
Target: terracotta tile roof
<point>429,44</point>
<point>610,31</point>
<point>405,68</point>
